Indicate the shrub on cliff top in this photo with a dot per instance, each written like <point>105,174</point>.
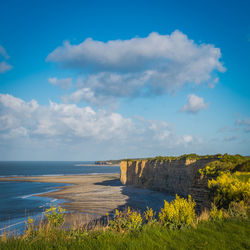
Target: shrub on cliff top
<point>226,163</point>
<point>227,188</point>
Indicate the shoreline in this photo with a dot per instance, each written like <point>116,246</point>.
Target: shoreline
<point>90,197</point>
<point>97,165</point>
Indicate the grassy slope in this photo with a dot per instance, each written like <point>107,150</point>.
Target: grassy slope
<point>229,234</point>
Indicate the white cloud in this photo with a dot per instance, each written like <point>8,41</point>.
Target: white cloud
<point>59,120</point>
<point>194,104</point>
<point>4,67</point>
<point>153,65</point>
<point>64,83</point>
<point>3,52</point>
<point>68,124</point>
<point>188,138</point>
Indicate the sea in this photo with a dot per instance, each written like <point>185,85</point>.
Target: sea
<point>18,200</point>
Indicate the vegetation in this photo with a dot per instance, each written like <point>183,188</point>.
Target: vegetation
<point>227,188</point>
<point>126,221</point>
<point>226,234</point>
<point>226,163</point>
<point>218,164</point>
<point>178,214</point>
<point>175,227</point>
<point>55,215</point>
<point>172,158</point>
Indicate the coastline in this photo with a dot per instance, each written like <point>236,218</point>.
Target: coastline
<point>90,197</point>
<point>97,165</point>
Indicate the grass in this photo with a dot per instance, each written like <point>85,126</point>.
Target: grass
<point>171,158</point>
<point>227,234</point>
<point>242,176</point>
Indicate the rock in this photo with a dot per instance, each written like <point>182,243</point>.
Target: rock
<point>178,176</point>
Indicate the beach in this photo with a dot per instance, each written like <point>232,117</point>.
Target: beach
<point>94,195</point>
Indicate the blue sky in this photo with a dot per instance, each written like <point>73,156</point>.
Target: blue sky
<point>87,80</point>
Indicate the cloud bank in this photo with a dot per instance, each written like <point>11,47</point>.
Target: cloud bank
<point>154,65</point>
<point>67,124</point>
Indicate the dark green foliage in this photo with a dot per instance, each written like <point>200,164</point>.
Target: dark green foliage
<point>243,167</point>
<point>226,163</point>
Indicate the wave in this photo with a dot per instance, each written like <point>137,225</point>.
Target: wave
<point>35,194</point>
<point>12,225</point>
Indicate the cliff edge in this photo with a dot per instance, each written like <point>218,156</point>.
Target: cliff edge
<point>174,175</point>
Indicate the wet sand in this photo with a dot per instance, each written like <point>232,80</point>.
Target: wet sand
<point>92,196</point>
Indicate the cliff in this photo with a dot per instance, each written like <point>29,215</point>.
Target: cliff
<point>174,176</point>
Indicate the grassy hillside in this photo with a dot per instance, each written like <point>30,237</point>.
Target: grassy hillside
<point>227,234</point>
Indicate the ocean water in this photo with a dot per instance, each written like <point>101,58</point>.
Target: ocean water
<point>18,200</point>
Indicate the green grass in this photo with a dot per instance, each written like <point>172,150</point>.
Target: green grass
<point>222,162</point>
<point>243,176</point>
<point>228,234</point>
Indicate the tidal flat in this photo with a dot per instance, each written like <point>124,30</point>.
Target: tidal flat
<point>89,197</point>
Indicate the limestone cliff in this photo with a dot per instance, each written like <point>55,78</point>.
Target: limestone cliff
<point>178,176</point>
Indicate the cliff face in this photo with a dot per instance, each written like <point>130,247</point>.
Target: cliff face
<point>179,176</point>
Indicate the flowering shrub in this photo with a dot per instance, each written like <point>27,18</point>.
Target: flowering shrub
<point>150,215</point>
<point>55,215</point>
<point>125,221</point>
<point>178,213</point>
<point>227,188</point>
<point>211,171</point>
<point>29,232</point>
<point>215,214</point>
<point>226,163</point>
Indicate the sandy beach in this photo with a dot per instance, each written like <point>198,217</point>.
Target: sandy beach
<point>92,196</point>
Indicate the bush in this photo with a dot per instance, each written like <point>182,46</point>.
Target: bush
<point>150,215</point>
<point>126,221</point>
<point>215,214</point>
<point>226,163</point>
<point>238,209</point>
<point>178,213</point>
<point>227,188</point>
<point>55,215</point>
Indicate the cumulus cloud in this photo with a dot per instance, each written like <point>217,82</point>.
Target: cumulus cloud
<point>59,120</point>
<point>4,67</point>
<point>69,124</point>
<point>64,83</point>
<point>153,65</point>
<point>194,104</point>
<point>245,123</point>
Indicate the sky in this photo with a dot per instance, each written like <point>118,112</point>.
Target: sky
<point>98,80</point>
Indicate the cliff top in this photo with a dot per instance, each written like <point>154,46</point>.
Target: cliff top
<point>171,158</point>
<point>219,162</point>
